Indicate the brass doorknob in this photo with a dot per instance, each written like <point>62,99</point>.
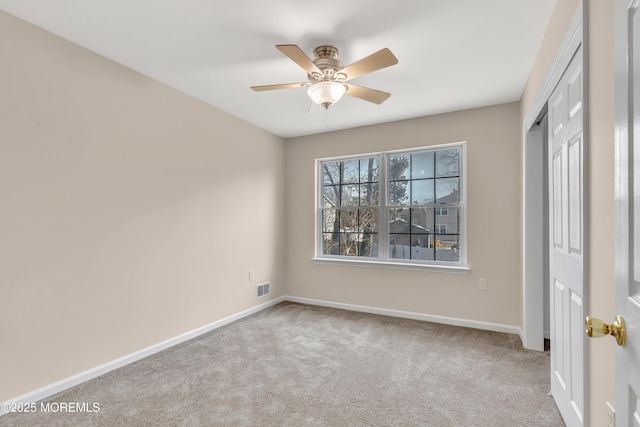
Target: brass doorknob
<point>596,328</point>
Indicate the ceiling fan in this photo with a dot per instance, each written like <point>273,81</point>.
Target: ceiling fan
<point>327,76</point>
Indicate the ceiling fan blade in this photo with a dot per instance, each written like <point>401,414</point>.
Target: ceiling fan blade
<point>371,95</point>
<point>299,57</point>
<point>376,61</point>
<point>281,86</point>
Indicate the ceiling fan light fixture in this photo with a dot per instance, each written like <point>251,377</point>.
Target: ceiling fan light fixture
<point>328,77</point>
<point>326,93</point>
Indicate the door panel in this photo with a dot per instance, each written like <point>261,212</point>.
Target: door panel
<point>577,331</point>
<point>558,335</point>
<point>575,196</point>
<point>557,201</point>
<point>566,252</point>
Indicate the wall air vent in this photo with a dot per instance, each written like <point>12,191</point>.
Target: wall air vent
<point>262,290</point>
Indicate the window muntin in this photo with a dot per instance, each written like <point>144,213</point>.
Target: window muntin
<point>420,219</point>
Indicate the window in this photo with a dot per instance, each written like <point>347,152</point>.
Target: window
<point>350,207</point>
<point>400,207</point>
<point>441,228</point>
<point>442,211</point>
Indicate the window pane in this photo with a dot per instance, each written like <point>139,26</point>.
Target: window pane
<point>369,245</point>
<point>422,192</point>
<point>349,244</point>
<point>349,221</point>
<point>369,170</point>
<point>399,246</point>
<point>422,165</point>
<point>425,251</point>
<point>331,173</point>
<point>399,193</point>
<point>422,220</point>
<point>450,222</point>
<point>367,239</point>
<point>351,172</point>
<point>420,241</point>
<point>399,167</point>
<point>447,248</point>
<point>368,221</point>
<point>331,196</point>
<point>369,194</point>
<point>330,221</point>
<point>448,163</point>
<point>350,195</point>
<point>448,190</point>
<point>399,221</point>
<point>330,244</point>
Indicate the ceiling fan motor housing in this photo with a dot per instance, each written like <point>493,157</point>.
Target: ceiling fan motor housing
<point>327,61</point>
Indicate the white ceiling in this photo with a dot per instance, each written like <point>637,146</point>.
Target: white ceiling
<point>453,54</point>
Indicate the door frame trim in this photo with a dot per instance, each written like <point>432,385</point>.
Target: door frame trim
<point>623,168</point>
<point>533,237</point>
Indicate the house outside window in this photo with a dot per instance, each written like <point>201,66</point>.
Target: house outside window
<point>399,207</point>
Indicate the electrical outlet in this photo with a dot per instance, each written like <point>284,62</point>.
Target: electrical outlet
<point>250,275</point>
<point>611,416</point>
<point>483,284</point>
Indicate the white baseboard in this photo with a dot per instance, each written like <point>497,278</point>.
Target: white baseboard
<point>496,327</point>
<point>81,377</point>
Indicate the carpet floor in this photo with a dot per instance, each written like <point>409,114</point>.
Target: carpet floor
<point>302,365</point>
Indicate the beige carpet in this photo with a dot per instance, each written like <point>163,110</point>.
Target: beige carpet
<point>300,365</point>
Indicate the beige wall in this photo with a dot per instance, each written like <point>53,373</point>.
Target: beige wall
<point>492,135</point>
<point>131,213</point>
<point>600,228</point>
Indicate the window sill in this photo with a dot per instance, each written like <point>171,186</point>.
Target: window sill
<point>452,269</point>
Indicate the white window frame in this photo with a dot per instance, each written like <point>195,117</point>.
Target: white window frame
<point>383,260</point>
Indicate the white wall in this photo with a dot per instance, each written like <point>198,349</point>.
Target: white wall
<point>130,213</point>
<point>493,200</point>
